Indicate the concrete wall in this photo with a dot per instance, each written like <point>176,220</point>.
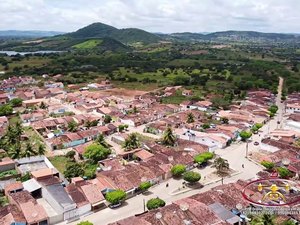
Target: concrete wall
<point>84,209</point>
<point>56,219</point>
<point>7,167</point>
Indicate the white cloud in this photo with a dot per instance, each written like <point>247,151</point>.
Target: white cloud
<point>152,15</point>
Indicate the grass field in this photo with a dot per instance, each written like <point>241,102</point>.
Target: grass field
<point>88,44</point>
<point>29,62</point>
<point>59,162</point>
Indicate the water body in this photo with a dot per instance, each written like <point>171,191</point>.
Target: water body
<point>12,53</point>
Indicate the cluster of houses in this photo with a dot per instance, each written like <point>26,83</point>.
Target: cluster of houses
<point>45,198</point>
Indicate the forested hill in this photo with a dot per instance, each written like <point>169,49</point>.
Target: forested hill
<point>235,36</point>
<point>125,36</point>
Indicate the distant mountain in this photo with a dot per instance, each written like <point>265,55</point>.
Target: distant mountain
<point>234,36</point>
<point>28,33</point>
<point>126,36</point>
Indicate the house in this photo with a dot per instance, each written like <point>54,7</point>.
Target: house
<point>89,135</point>
<point>32,117</point>
<point>7,164</point>
<point>33,212</point>
<point>211,141</point>
<point>10,214</point>
<point>57,109</point>
<point>54,85</point>
<point>3,121</point>
<point>292,108</point>
<point>3,99</point>
<point>94,196</point>
<point>201,105</point>
<point>33,102</point>
<point>82,204</point>
<point>187,92</point>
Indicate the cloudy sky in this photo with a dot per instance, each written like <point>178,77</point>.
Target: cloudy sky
<point>153,15</point>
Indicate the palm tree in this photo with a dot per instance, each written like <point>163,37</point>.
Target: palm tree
<point>41,149</point>
<point>264,219</point>
<point>132,142</point>
<point>29,150</point>
<point>221,165</point>
<point>72,126</point>
<point>190,118</point>
<point>15,151</point>
<point>101,141</point>
<point>169,138</point>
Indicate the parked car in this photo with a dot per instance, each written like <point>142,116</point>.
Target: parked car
<point>256,143</point>
<point>115,205</point>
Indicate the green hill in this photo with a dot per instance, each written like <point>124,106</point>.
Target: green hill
<point>126,36</point>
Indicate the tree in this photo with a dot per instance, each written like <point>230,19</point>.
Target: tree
<point>131,142</point>
<point>190,118</point>
<point>29,150</point>
<point>107,119</point>
<point>85,223</point>
<point>96,152</point>
<point>178,170</point>
<point>43,105</point>
<point>204,157</point>
<point>264,219</point>
<point>122,127</point>
<point>191,177</point>
<point>207,155</point>
<point>283,172</point>
<point>71,154</point>
<point>15,151</point>
<point>16,102</point>
<point>245,135</point>
<point>169,138</point>
<point>199,159</point>
<point>73,170</point>
<point>6,110</point>
<point>41,150</point>
<point>268,165</point>
<point>221,165</point>
<point>273,109</point>
<point>155,203</point>
<point>145,186</point>
<point>288,222</point>
<point>224,120</point>
<point>101,141</point>
<point>205,126</point>
<point>135,110</point>
<point>72,126</point>
<point>115,197</point>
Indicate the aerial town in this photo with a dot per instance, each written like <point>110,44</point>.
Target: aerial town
<point>102,154</point>
<point>160,112</point>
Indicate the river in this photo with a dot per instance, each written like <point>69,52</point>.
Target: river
<point>12,53</point>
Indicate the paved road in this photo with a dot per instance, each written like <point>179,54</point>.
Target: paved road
<point>236,156</point>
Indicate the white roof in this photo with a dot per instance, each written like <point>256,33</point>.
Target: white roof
<point>31,185</point>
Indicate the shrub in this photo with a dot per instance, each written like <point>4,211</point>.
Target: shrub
<point>178,170</point>
<point>116,196</point>
<point>145,186</point>
<point>155,203</point>
<point>268,165</point>
<point>85,223</point>
<point>283,172</point>
<point>191,177</point>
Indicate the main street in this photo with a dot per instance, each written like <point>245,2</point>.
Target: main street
<point>236,156</point>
